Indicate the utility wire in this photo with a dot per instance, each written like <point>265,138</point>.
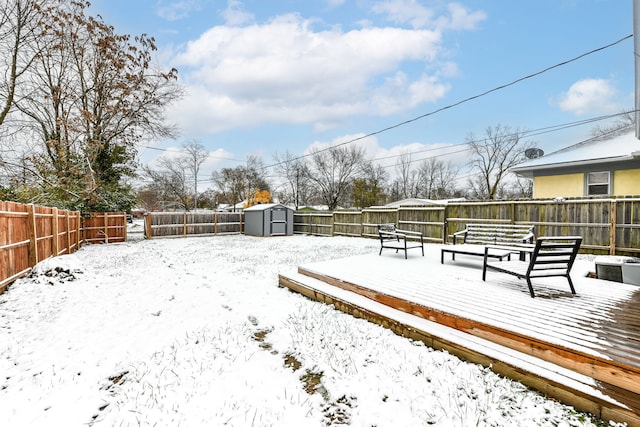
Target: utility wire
<point>465,100</point>
<point>523,134</point>
<point>526,133</point>
<point>455,104</point>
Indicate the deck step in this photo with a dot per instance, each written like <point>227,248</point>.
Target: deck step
<point>568,386</point>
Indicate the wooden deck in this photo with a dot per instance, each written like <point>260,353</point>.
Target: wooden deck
<point>582,349</point>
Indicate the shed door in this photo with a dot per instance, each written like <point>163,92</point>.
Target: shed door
<point>278,221</point>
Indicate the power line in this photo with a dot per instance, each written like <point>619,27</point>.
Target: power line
<point>497,88</point>
<point>524,134</point>
<point>455,104</point>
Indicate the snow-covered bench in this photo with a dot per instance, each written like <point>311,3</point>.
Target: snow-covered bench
<point>400,240</point>
<point>473,239</point>
<point>549,257</point>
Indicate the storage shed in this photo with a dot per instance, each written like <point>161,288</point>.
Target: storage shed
<point>268,220</point>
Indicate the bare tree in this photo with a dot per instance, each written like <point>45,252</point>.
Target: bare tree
<point>19,20</point>
<point>436,178</point>
<point>170,181</point>
<point>149,199</point>
<point>623,125</point>
<point>332,172</point>
<point>519,188</point>
<point>90,95</point>
<point>493,156</point>
<point>195,156</point>
<point>293,170</point>
<point>407,177</point>
<point>242,183</point>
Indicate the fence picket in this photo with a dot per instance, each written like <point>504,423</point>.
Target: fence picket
<point>609,226</point>
<point>184,224</point>
<point>30,234</point>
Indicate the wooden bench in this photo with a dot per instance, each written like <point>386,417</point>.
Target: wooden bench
<point>400,240</point>
<point>549,257</point>
<point>475,237</point>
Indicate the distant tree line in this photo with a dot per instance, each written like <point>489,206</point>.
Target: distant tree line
<point>339,176</point>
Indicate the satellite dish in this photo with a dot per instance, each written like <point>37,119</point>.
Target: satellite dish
<point>533,153</point>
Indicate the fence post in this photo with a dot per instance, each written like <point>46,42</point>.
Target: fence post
<point>55,231</point>
<point>33,235</point>
<point>68,232</point>
<point>184,224</point>
<point>124,220</point>
<point>105,219</point>
<point>614,224</point>
<point>148,233</point>
<point>445,224</point>
<point>79,230</point>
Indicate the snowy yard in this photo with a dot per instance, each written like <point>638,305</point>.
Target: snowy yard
<point>196,332</point>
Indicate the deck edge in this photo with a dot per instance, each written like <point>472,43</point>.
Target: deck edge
<point>580,400</point>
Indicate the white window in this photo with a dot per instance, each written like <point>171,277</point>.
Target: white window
<point>598,183</point>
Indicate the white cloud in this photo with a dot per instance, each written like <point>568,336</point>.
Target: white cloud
<point>412,12</point>
<point>405,11</point>
<point>590,96</point>
<point>463,19</point>
<point>235,15</point>
<point>175,10</point>
<point>285,71</point>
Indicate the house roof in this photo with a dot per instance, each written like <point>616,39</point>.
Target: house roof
<point>419,202</point>
<point>592,151</point>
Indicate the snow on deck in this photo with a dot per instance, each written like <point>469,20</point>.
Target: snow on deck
<point>587,339</point>
<point>556,316</point>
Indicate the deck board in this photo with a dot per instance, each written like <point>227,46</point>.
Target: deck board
<point>595,333</point>
<point>583,322</point>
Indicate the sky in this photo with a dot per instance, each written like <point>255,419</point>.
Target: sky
<point>196,332</point>
<point>267,77</point>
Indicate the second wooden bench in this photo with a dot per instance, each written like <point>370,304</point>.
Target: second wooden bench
<point>473,239</point>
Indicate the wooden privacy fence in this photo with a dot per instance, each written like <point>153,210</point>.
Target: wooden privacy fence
<point>182,224</point>
<point>609,226</point>
<point>105,227</point>
<point>31,233</point>
<point>428,220</point>
<point>321,224</point>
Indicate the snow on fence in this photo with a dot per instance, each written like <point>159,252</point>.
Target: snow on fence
<point>31,233</point>
<point>608,225</point>
<point>182,224</point>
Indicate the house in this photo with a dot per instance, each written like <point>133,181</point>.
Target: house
<point>593,167</point>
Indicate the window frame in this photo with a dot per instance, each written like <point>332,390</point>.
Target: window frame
<point>589,185</point>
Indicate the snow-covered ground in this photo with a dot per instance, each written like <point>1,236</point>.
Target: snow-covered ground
<point>196,332</point>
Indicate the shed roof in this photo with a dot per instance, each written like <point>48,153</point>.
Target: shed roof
<point>592,151</point>
<point>264,207</point>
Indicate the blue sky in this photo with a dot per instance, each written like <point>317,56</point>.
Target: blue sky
<point>265,77</point>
